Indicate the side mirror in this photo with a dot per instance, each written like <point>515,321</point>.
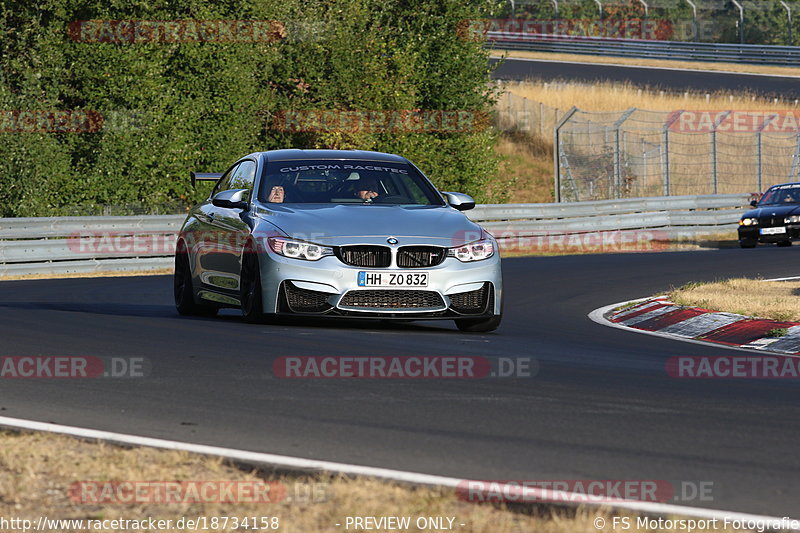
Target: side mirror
<point>754,203</point>
<point>460,201</point>
<point>232,199</point>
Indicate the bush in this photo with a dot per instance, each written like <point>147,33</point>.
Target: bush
<point>172,107</point>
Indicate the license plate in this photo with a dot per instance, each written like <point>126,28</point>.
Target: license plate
<point>773,231</point>
<point>392,279</point>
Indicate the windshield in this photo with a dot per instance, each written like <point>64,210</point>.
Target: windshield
<point>782,194</point>
<point>346,182</point>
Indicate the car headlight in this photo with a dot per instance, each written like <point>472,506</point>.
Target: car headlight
<point>474,251</point>
<point>748,222</point>
<point>298,249</point>
<point>794,219</point>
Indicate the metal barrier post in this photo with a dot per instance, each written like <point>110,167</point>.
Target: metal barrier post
<point>665,158</point>
<point>618,152</point>
<point>600,6</point>
<point>788,8</point>
<point>741,20</point>
<point>556,150</point>
<point>694,19</point>
<point>541,119</point>
<point>759,151</point>
<point>714,177</point>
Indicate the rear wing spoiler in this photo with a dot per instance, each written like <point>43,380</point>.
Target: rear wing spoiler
<point>204,176</point>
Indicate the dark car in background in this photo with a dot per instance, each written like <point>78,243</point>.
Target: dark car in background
<point>775,219</point>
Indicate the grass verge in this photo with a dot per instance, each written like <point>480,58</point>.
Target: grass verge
<point>121,274</point>
<point>610,96</point>
<point>663,63</point>
<point>529,159</point>
<point>778,300</point>
<point>37,471</point>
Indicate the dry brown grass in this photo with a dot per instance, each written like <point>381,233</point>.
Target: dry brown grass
<point>150,272</point>
<point>665,63</point>
<point>777,300</point>
<point>621,96</point>
<point>529,160</point>
<point>37,469</point>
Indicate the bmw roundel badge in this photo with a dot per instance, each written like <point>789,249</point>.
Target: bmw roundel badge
<point>391,240</point>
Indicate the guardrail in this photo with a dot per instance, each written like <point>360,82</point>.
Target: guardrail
<point>75,245</point>
<point>82,245</point>
<point>712,52</point>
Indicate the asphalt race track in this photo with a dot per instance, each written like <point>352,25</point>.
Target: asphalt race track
<point>601,406</point>
<point>666,79</point>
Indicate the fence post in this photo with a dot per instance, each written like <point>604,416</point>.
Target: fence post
<point>694,19</point>
<point>527,111</point>
<point>741,20</point>
<point>795,159</point>
<point>541,119</point>
<point>759,152</point>
<point>714,184</point>
<point>665,159</point>
<point>788,9</point>
<point>557,149</point>
<point>618,152</point>
<point>759,173</point>
<point>714,175</point>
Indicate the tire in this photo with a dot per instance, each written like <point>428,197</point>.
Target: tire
<point>250,293</point>
<point>783,244</point>
<point>479,325</point>
<point>748,244</point>
<point>183,289</point>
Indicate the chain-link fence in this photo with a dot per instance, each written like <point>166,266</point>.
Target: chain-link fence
<point>516,113</point>
<point>638,153</point>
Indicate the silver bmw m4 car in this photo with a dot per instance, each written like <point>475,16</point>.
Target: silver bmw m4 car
<point>340,234</point>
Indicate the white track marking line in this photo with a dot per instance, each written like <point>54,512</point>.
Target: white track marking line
<point>300,464</point>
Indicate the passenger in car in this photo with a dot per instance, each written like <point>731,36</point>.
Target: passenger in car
<point>276,195</point>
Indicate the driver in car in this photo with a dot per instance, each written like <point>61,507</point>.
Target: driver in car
<point>366,189</point>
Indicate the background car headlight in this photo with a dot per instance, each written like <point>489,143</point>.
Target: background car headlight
<point>748,222</point>
<point>475,251</point>
<point>794,219</point>
<point>298,249</point>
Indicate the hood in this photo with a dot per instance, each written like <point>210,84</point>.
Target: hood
<point>768,210</point>
<point>339,224</point>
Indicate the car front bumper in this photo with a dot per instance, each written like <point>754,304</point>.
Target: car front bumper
<point>330,287</point>
<point>753,234</point>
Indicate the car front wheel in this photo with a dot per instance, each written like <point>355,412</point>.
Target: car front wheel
<point>748,244</point>
<point>250,292</point>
